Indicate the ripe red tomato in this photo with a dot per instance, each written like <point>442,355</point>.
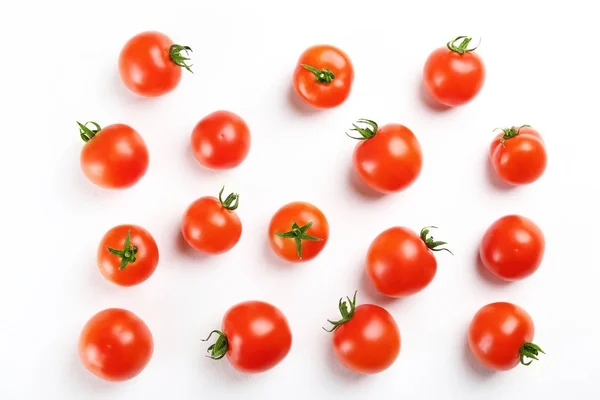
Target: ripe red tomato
<point>298,232</point>
<point>366,340</point>
<point>115,345</point>
<point>150,64</point>
<point>512,248</point>
<point>323,77</point>
<point>127,255</point>
<point>387,159</point>
<point>400,262</point>
<point>221,140</point>
<point>255,336</point>
<point>500,336</point>
<point>519,155</point>
<point>114,157</point>
<point>210,225</point>
<point>454,75</point>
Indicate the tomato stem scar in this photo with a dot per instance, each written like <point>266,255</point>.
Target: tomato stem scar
<point>128,253</point>
<point>299,234</point>
<point>323,75</point>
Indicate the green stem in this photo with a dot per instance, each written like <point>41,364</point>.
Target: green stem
<point>178,58</point>
<point>219,349</point>
<point>462,48</point>
<point>86,133</point>
<point>323,75</point>
<point>299,234</point>
<point>347,311</point>
<point>231,202</point>
<point>430,243</point>
<point>529,350</point>
<point>128,253</point>
<point>365,133</point>
<point>510,133</point>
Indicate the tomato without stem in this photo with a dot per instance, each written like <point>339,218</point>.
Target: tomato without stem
<point>255,336</point>
<point>115,345</point>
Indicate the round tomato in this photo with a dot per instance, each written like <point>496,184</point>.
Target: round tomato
<point>323,77</point>
<point>387,159</point>
<point>512,247</point>
<point>366,340</point>
<point>454,75</point>
<point>221,140</point>
<point>115,345</point>
<point>114,157</point>
<point>127,255</point>
<point>150,64</point>
<point>500,336</point>
<point>519,155</point>
<point>255,336</point>
<point>210,225</point>
<point>400,262</point>
<point>298,232</point>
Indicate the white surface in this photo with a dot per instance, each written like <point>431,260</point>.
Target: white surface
<point>59,64</point>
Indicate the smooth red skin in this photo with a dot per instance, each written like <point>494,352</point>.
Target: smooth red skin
<point>453,79</point>
<point>116,345</point>
<point>399,263</point>
<point>522,160</point>
<point>390,161</point>
<point>259,336</point>
<point>146,258</point>
<point>221,140</point>
<point>512,248</point>
<point>323,95</point>
<point>301,213</point>
<point>496,334</point>
<point>370,342</point>
<point>146,67</point>
<point>115,158</point>
<point>209,227</point>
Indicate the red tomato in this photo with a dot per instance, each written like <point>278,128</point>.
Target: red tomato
<point>255,337</point>
<point>387,159</point>
<point>500,336</point>
<point>127,255</point>
<point>400,262</point>
<point>221,140</point>
<point>512,247</point>
<point>210,225</point>
<point>519,155</point>
<point>150,64</point>
<point>114,157</point>
<point>366,340</point>
<point>298,232</point>
<point>454,75</point>
<point>115,345</point>
<point>323,77</point>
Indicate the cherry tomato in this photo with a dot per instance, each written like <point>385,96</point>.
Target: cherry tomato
<point>512,248</point>
<point>454,74</point>
<point>519,155</point>
<point>150,64</point>
<point>387,159</point>
<point>298,232</point>
<point>500,336</point>
<point>127,255</point>
<point>114,157</point>
<point>323,77</point>
<point>366,340</point>
<point>115,345</point>
<point>255,336</point>
<point>400,262</point>
<point>211,226</point>
<point>221,140</point>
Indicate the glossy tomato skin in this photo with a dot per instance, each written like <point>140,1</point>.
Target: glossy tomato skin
<point>324,95</point>
<point>390,161</point>
<point>146,257</point>
<point>370,342</point>
<point>115,345</point>
<point>496,334</point>
<point>221,140</point>
<point>259,336</point>
<point>512,248</point>
<point>520,160</point>
<point>211,228</point>
<point>146,67</point>
<point>301,213</point>
<point>115,158</point>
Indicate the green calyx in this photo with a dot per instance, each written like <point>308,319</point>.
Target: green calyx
<point>510,133</point>
<point>347,311</point>
<point>430,243</point>
<point>531,351</point>
<point>219,349</point>
<point>178,58</point>
<point>86,133</point>
<point>128,253</point>
<point>462,48</point>
<point>367,132</point>
<point>231,202</point>
<point>299,234</point>
<point>323,75</point>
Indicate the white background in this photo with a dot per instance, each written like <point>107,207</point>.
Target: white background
<point>59,64</point>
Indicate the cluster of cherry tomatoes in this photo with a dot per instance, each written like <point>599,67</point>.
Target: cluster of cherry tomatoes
<point>116,345</point>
